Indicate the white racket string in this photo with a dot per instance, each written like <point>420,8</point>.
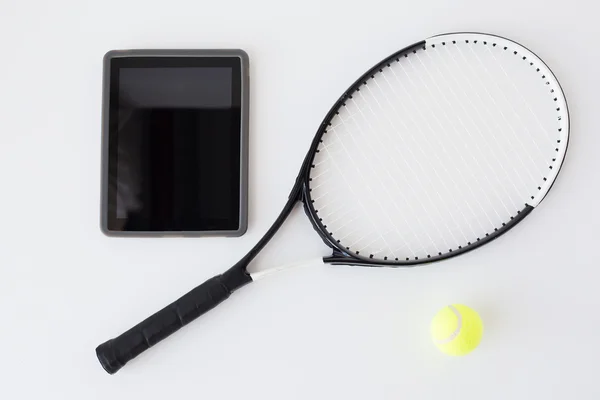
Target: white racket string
<point>321,182</point>
<point>375,157</point>
<point>457,151</point>
<point>358,199</point>
<point>383,209</point>
<point>425,137</point>
<point>398,169</point>
<point>493,116</point>
<point>417,162</point>
<point>475,156</point>
<point>504,96</point>
<point>483,119</point>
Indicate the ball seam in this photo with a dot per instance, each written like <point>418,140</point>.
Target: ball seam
<point>454,334</point>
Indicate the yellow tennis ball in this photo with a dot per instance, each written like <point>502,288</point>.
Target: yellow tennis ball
<point>456,330</point>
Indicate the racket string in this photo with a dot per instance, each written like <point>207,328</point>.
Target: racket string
<point>383,209</point>
<point>526,166</point>
<point>424,135</point>
<point>473,156</point>
<point>384,147</point>
<point>450,229</point>
<point>489,129</point>
<point>331,223</point>
<point>387,170</point>
<point>508,102</point>
<point>480,152</point>
<point>359,202</point>
<point>549,136</point>
<point>421,150</point>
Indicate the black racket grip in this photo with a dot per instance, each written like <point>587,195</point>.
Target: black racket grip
<point>115,353</point>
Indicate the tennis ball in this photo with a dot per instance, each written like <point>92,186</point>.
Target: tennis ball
<point>456,330</point>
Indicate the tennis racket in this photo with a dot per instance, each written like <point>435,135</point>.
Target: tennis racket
<point>435,151</point>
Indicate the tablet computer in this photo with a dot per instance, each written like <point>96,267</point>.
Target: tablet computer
<point>175,143</point>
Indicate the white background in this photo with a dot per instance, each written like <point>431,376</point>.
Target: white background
<point>310,333</point>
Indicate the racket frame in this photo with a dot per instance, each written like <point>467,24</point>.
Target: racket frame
<point>341,255</point>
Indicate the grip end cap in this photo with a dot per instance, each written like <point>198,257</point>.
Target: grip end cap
<point>107,358</point>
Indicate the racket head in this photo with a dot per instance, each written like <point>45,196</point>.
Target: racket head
<point>436,150</point>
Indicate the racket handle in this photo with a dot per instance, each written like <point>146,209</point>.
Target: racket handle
<point>115,353</point>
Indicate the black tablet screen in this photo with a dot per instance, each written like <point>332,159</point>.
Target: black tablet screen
<point>174,146</point>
